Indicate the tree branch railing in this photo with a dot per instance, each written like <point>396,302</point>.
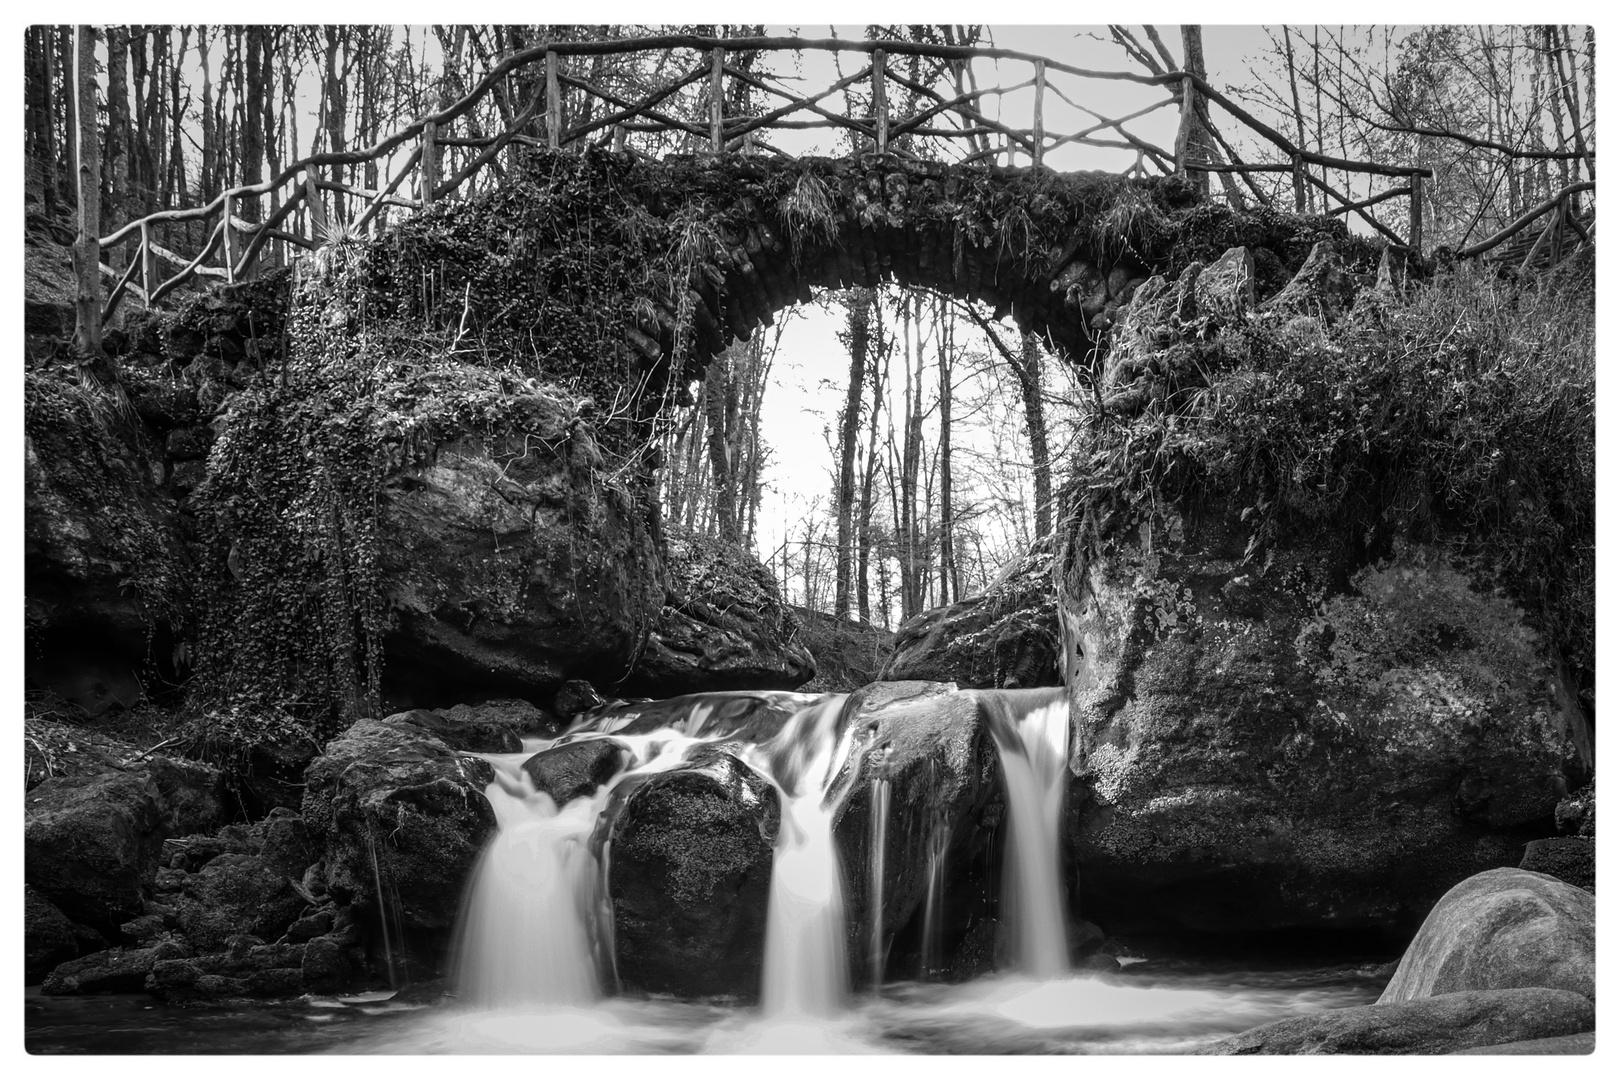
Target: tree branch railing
<point>701,121</point>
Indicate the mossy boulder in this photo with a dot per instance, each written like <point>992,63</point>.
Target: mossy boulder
<point>397,810</point>
<point>92,842</point>
<point>722,626</point>
<point>1006,636</point>
<point>690,878</point>
<point>514,564</point>
<point>1300,743</point>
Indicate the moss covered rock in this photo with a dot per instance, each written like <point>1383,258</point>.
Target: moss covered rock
<point>1299,743</point>
<point>722,627</point>
<point>690,878</point>
<point>1005,637</point>
<point>401,818</point>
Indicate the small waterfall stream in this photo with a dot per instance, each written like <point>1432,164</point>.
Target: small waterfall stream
<point>878,845</point>
<point>1032,742</point>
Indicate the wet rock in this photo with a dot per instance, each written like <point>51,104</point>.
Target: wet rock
<point>235,894</point>
<point>516,565</point>
<point>113,971</point>
<point>91,844</point>
<point>1447,1023</point>
<point>1005,637</point>
<point>1322,286</point>
<point>331,963</point>
<point>575,769</point>
<point>492,740</point>
<point>1328,747</point>
<point>690,878</point>
<point>1499,930</point>
<point>389,802</point>
<point>930,742</point>
<point>722,627</point>
<point>576,696</point>
<point>1567,858</point>
<point>261,971</point>
<point>49,938</point>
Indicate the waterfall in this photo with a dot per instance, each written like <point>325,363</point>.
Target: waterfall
<point>939,840</point>
<point>525,936</point>
<point>1031,732</point>
<point>879,803</point>
<point>806,969</point>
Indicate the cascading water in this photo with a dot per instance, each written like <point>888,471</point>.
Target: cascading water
<point>525,938</point>
<point>1031,732</point>
<point>806,969</point>
<point>879,843</point>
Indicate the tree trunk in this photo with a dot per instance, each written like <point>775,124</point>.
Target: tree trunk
<point>116,207</point>
<point>857,338</point>
<point>253,122</point>
<point>70,115</point>
<point>87,248</point>
<point>950,586</point>
<point>1035,422</point>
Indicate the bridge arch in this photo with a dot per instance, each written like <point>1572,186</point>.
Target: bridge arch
<point>607,270</point>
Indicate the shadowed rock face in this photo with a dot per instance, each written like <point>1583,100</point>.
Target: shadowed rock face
<point>1309,747</point>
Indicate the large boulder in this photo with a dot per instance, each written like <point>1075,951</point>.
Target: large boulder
<point>398,811</point>
<point>91,842</point>
<point>1005,637</point>
<point>722,626</point>
<point>514,563</point>
<point>1298,744</point>
<point>690,874</point>
<point>1498,930</point>
<point>929,744</point>
<point>493,727</point>
<point>1448,1023</point>
<point>49,937</point>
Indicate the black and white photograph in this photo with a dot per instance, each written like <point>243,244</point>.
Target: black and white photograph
<point>951,539</point>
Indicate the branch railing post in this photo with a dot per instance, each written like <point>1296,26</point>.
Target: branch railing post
<point>1184,129</point>
<point>312,202</point>
<point>553,101</point>
<point>148,263</point>
<point>880,101</point>
<point>430,162</point>
<point>717,128</point>
<point>227,247</point>
<point>1414,229</point>
<point>1040,125</point>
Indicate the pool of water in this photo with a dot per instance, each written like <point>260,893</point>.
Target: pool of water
<point>1156,1007</point>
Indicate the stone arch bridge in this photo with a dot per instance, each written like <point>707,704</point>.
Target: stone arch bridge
<point>607,268</point>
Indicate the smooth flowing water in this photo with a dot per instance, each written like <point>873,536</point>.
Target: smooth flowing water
<point>1033,745</point>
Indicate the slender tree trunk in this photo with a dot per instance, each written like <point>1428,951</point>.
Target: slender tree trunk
<point>949,579</point>
<point>253,121</point>
<point>70,115</point>
<point>87,249</point>
<point>116,207</point>
<point>1035,423</point>
<point>858,338</point>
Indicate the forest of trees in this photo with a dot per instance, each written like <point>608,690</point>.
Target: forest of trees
<point>940,460</point>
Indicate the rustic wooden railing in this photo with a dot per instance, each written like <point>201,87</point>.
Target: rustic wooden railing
<point>236,242</point>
